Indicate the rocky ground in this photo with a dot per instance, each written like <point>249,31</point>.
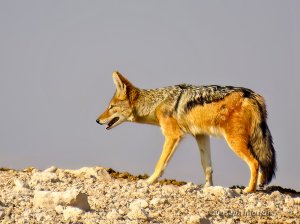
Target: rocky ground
<point>99,195</point>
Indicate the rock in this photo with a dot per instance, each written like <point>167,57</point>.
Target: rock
<point>51,169</point>
<point>73,197</point>
<point>72,213</point>
<point>2,213</point>
<point>252,199</point>
<point>259,204</point>
<point>88,172</point>
<point>238,191</point>
<point>168,190</point>
<point>42,177</point>
<point>59,209</point>
<point>30,169</point>
<point>194,219</point>
<point>20,184</point>
<point>113,215</point>
<point>297,200</point>
<point>137,210</point>
<point>21,187</point>
<point>138,213</point>
<point>43,217</point>
<point>158,201</point>
<point>289,201</point>
<point>275,194</point>
<point>142,184</point>
<point>189,187</point>
<point>121,211</point>
<point>220,191</point>
<point>139,203</point>
<point>271,206</point>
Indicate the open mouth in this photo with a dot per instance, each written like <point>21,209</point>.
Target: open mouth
<point>111,123</point>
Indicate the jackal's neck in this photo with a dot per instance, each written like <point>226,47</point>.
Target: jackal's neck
<point>147,101</point>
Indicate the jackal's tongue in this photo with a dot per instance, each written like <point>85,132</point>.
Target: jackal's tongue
<point>114,120</point>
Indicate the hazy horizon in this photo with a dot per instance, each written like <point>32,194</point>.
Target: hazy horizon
<point>57,58</point>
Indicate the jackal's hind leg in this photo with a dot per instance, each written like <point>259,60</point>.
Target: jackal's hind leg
<point>204,148</point>
<point>239,146</point>
<point>261,180</point>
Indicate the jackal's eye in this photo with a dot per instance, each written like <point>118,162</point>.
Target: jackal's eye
<point>111,106</point>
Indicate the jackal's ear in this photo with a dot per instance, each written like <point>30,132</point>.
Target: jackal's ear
<point>120,83</point>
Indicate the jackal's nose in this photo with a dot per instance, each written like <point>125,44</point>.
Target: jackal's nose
<point>98,121</point>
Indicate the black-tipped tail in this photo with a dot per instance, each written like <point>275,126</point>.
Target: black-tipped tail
<point>262,147</point>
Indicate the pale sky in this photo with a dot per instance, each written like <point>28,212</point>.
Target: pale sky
<point>56,60</point>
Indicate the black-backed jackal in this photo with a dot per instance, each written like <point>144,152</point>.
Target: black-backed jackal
<point>235,113</point>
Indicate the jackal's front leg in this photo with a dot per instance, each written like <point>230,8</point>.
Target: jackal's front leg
<point>169,148</point>
<point>172,135</point>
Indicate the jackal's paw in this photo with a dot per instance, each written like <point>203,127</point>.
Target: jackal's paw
<point>151,180</point>
<point>207,184</point>
<point>260,186</point>
<point>248,190</point>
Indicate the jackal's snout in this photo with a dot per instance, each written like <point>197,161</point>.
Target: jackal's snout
<point>98,122</point>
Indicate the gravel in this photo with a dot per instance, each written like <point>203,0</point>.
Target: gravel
<point>114,197</point>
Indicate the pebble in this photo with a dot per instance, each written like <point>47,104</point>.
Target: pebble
<point>2,213</point>
<point>42,177</point>
<point>72,213</point>
<point>51,169</point>
<point>139,203</point>
<point>113,215</point>
<point>138,213</point>
<point>158,201</point>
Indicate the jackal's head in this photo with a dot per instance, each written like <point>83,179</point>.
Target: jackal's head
<point>120,107</point>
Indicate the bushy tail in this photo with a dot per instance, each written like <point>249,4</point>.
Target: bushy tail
<point>261,142</point>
